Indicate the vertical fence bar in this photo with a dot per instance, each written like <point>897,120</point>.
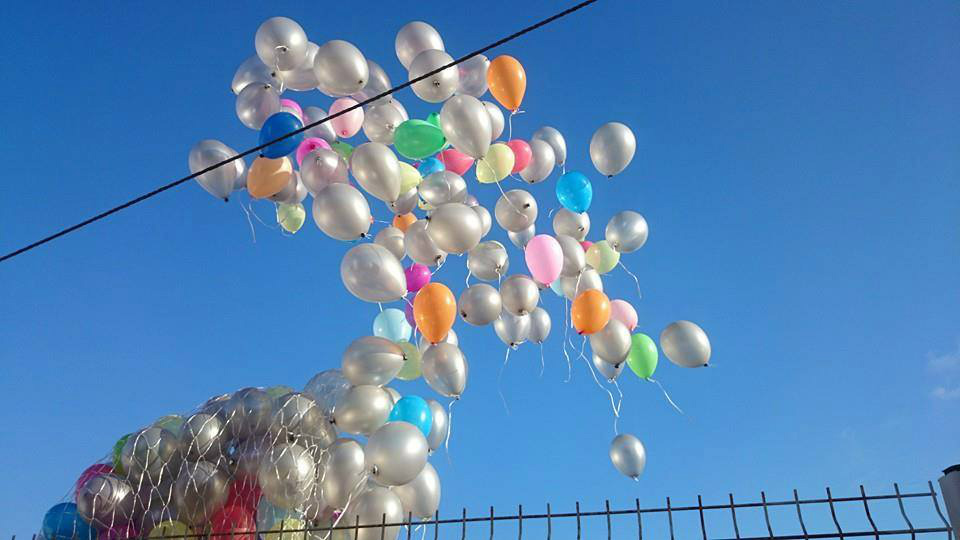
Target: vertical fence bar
<point>803,526</point>
<point>703,527</point>
<point>409,524</point>
<point>733,514</point>
<point>866,510</point>
<point>933,495</point>
<point>639,521</point>
<point>833,513</point>
<point>519,522</point>
<point>356,528</point>
<point>670,518</point>
<point>436,524</point>
<point>383,526</point>
<point>578,520</point>
<point>549,523</point>
<point>491,523</point>
<point>903,512</point>
<point>463,525</point>
<point>766,514</point>
<point>607,503</point>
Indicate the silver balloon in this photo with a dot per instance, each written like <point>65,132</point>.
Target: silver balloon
<point>392,239</point>
<point>340,68</point>
<point>572,224</point>
<point>465,122</point>
<point>414,38</point>
<point>342,472</point>
<point>248,413</point>
<point>516,210</point>
<point>512,330</point>
<point>253,70</point>
<point>455,228</point>
<point>520,294</point>
<point>290,192</point>
<point>520,238</point>
<point>106,501</point>
<point>685,344</point>
<point>588,279</point>
<point>248,455</point>
<point>153,452</point>
<point>438,428</point>
<point>406,203</point>
<point>421,247</point>
<point>363,409</point>
<point>220,181</point>
<point>443,187</point>
<point>555,139</point>
<point>471,201</point>
<point>612,343</point>
<point>450,338</point>
<point>342,212</point>
<point>612,147</point>
<point>486,222</point>
<point>323,131</point>
<point>445,369</point>
<point>371,273</point>
<point>574,259</point>
<point>542,162</point>
<point>473,76</point>
<point>479,304</point>
<point>302,78</point>
<point>372,360</point>
<point>609,371</point>
<point>488,261</point>
<point>301,420</point>
<point>203,437</point>
<point>496,119</point>
<point>394,395</point>
<point>539,325</point>
<point>626,231</point>
<point>286,475</point>
<point>377,170</point>
<point>628,455</point>
<point>256,103</point>
<point>380,121</point>
<point>281,43</point>
<point>200,490</point>
<point>377,84</point>
<point>421,497</point>
<point>374,506</point>
<point>439,86</point>
<point>396,453</point>
<point>327,388</point>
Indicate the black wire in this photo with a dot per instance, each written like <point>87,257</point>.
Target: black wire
<point>176,183</point>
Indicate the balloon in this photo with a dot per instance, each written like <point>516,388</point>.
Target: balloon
<point>411,361</point>
<point>628,455</point>
<point>300,419</point>
<point>544,258</point>
<point>602,257</point>
<point>172,530</point>
<point>341,212</point>
<point>586,245</point>
<point>203,437</point>
<point>322,131</point>
<point>455,161</point>
<point>308,145</point>
<point>442,187</point>
<point>63,521</point>
<point>414,38</point>
<point>342,472</point>
<point>522,154</point>
<point>349,123</point>
<point>292,107</point>
<point>256,103</point>
<point>643,356</point>
<point>512,330</point>
<point>287,474</point>
<point>373,360</point>
<point>421,496</point>
<point>488,260</point>
<point>153,452</point>
<point>420,246</point>
<point>451,338</point>
<point>253,70</point>
<point>200,490</point>
<point>406,203</point>
<point>417,139</point>
<point>235,522</point>
<point>340,68</point>
<point>380,121</point>
<point>455,228</point>
<point>289,193</point>
<point>520,239</point>
<point>485,221</point>
<point>392,239</point>
<point>302,78</point>
<point>574,191</point>
<point>117,453</point>
<point>248,413</point>
<point>413,410</point>
<point>495,165</point>
<point>626,232</point>
<point>519,294</point>
<point>590,311</point>
<point>611,148</point>
<point>377,83</point>
<point>377,170</point>
<point>542,161</point>
<point>439,86</point>
<point>218,182</point>
<point>612,343</point>
<point>429,166</point>
<point>105,501</point>
<point>445,369</point>
<point>473,76</point>
<point>291,216</point>
<point>438,426</point>
<point>91,471</point>
<point>417,276</point>
<point>396,453</point>
<point>496,120</point>
<point>363,409</point>
<point>685,344</point>
<point>321,168</point>
<point>281,43</point>
<point>371,273</point>
<point>466,124</point>
<point>516,210</point>
<point>573,224</point>
<point>622,311</point>
<point>609,371</point>
<point>507,81</point>
<point>539,325</point>
<point>376,505</point>
<point>480,304</point>
<point>342,148</point>
<point>556,141</point>
<point>410,177</point>
<point>435,310</point>
<point>573,257</point>
<point>587,280</point>
<point>278,125</point>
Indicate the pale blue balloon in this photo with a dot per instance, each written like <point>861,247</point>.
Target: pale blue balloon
<point>575,192</point>
<point>392,324</point>
<point>556,288</point>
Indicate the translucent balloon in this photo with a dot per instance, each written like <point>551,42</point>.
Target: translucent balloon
<point>410,177</point>
<point>248,413</point>
<point>373,360</point>
<point>377,84</point>
<point>411,361</point>
<point>626,231</point>
<point>302,77</point>
<point>392,239</point>
<point>574,224</point>
<point>519,294</point>
<point>521,238</point>
<point>685,344</point>
<point>443,187</point>
<point>380,121</point>
<point>539,325</point>
<point>574,258</point>
<point>371,273</point>
<point>403,208</point>
<point>256,103</point>
<point>612,343</point>
<point>414,38</point>
<point>473,76</point>
<point>512,330</point>
<point>495,165</point>
<point>286,475</point>
<point>377,170</point>
<point>516,210</point>
<point>396,453</point>
<point>291,192</point>
<point>602,257</point>
<point>340,68</point>
<point>556,141</point>
<point>445,369</point>
<point>542,162</point>
<point>153,452</point>
<point>628,455</point>
<point>281,43</point>
<point>479,304</point>
<point>420,246</point>
<point>253,70</point>
<point>327,388</point>
<point>496,120</point>
<point>439,86</point>
<point>203,437</point>
<point>587,280</point>
<point>342,212</point>
<point>488,260</point>
<point>486,222</point>
<point>450,338</point>
<point>466,124</point>
<point>363,409</point>
<point>421,496</point>
<point>200,490</point>
<point>455,228</point>
<point>612,147</point>
<point>218,182</point>
<point>300,419</point>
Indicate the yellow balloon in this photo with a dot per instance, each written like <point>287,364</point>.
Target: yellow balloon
<point>291,216</point>
<point>602,257</point>
<point>496,165</point>
<point>171,530</point>
<point>287,524</point>
<point>409,177</point>
<point>411,362</point>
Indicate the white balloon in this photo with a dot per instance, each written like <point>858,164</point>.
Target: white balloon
<point>414,38</point>
<point>496,120</point>
<point>439,86</point>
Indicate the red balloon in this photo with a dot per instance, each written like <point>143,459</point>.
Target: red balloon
<point>522,154</point>
<point>455,161</point>
<point>245,493</point>
<point>234,522</point>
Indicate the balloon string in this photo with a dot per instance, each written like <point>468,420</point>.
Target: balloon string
<point>635,280</point>
<point>504,194</point>
<point>380,306</point>
<point>566,337</point>
<point>542,362</point>
<point>613,404</point>
<point>616,420</point>
<point>510,123</point>
<point>466,282</point>
<point>552,210</point>
<point>506,359</point>
<point>665,394</point>
<point>253,232</point>
<point>257,216</point>
<point>446,442</point>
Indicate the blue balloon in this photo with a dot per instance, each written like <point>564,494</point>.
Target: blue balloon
<point>62,522</point>
<point>556,287</point>
<point>413,410</point>
<point>429,166</point>
<point>392,324</point>
<point>278,125</point>
<point>574,191</point>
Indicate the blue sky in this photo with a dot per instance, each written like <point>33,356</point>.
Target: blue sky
<point>797,164</point>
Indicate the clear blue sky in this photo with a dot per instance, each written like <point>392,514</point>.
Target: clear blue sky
<point>797,162</point>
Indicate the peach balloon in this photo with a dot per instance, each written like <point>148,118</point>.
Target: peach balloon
<point>402,221</point>
<point>268,176</point>
<point>622,311</point>
<point>590,311</point>
<point>507,81</point>
<point>435,310</point>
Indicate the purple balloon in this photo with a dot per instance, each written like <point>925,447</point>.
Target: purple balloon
<point>408,311</point>
<point>417,275</point>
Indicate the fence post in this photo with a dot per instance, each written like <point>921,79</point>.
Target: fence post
<point>950,489</point>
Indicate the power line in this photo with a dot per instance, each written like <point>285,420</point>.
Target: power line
<point>176,183</point>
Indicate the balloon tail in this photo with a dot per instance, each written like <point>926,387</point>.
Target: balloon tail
<point>542,362</point>
<point>613,404</point>
<point>665,394</point>
<point>616,420</point>
<point>253,232</point>
<point>635,280</point>
<point>550,213</point>
<point>446,441</point>
<point>506,359</point>
<point>504,194</point>
<point>566,337</point>
<point>257,217</point>
<point>380,306</point>
<point>510,123</point>
<point>466,282</point>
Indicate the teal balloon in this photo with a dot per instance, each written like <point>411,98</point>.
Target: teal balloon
<point>278,125</point>
<point>556,287</point>
<point>413,410</point>
<point>574,191</point>
<point>417,139</point>
<point>63,522</point>
<point>430,166</point>
<point>392,324</point>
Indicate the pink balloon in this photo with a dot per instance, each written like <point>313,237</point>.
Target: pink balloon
<point>622,311</point>
<point>293,105</point>
<point>522,154</point>
<point>309,145</point>
<point>417,275</point>
<point>90,472</point>
<point>544,258</point>
<point>347,124</point>
<point>455,161</point>
<point>586,244</point>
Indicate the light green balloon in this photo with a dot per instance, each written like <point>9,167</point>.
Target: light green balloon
<point>417,139</point>
<point>411,366</point>
<point>643,356</point>
<point>172,423</point>
<point>434,118</point>
<point>602,257</point>
<point>291,216</point>
<point>278,391</point>
<point>117,449</point>
<point>344,149</point>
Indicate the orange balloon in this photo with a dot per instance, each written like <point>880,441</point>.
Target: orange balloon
<point>402,221</point>
<point>507,81</point>
<point>434,310</point>
<point>268,176</point>
<point>590,311</point>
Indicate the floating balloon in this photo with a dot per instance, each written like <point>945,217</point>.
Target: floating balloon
<point>473,76</point>
<point>435,311</point>
<point>373,360</point>
<point>321,168</point>
<point>291,216</point>
<point>574,191</point>
<point>519,294</point>
<point>496,120</point>
<point>420,246</point>
<point>105,501</point>
<point>281,43</point>
<point>513,330</point>
<point>392,239</point>
<point>278,125</point>
<point>373,506</point>
<point>507,81</point>
<point>612,147</point>
<point>371,273</point>
<point>495,165</point>
<point>411,361</point>
<point>574,258</point>
<point>438,426</point>
<point>516,210</point>
<point>429,166</point>
<point>152,452</point>
<point>417,276</point>
<point>407,202</point>
<point>350,121</point>
<point>622,311</point>
<point>342,212</point>
<point>363,409</point>
<point>439,86</point>
<point>377,83</point>
<point>522,154</point>
<point>574,224</point>
<point>292,107</point>
<point>90,472</point>
<point>541,163</point>
<point>413,410</point>
<point>539,325</point>
<point>590,311</point>
<point>609,371</point>
<point>628,455</point>
<point>466,124</point>
<point>302,77</point>
<point>256,103</point>
<point>200,490</point>
<point>381,120</point>
<point>414,38</point>
<point>342,472</point>
<point>445,369</point>
<point>290,192</point>
<point>218,182</point>
<point>286,475</point>
<point>488,260</point>
<point>544,258</point>
<point>377,170</point>
<point>308,145</point>
<point>685,344</point>
<point>253,70</point>
<point>443,187</point>
<point>612,343</point>
<point>410,177</point>
<point>451,338</point>
<point>521,238</point>
<point>455,161</point>
<point>455,228</point>
<point>396,453</point>
<point>342,148</point>
<point>643,356</point>
<point>556,141</point>
<point>340,68</point>
<point>626,232</point>
<point>63,521</point>
<point>417,139</point>
<point>323,131</point>
<point>480,304</point>
<point>392,324</point>
<point>203,437</point>
<point>602,257</point>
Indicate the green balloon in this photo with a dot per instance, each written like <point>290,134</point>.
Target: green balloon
<point>117,450</point>
<point>434,119</point>
<point>417,139</point>
<point>643,356</point>
<point>342,148</point>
